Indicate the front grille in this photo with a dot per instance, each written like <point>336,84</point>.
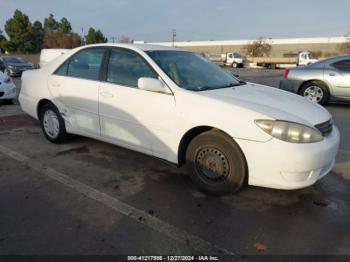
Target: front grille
<point>325,128</point>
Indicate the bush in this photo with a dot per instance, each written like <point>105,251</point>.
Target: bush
<point>59,39</point>
<point>257,48</point>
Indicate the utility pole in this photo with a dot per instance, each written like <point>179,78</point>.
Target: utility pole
<point>174,36</point>
<point>83,36</point>
<point>114,38</point>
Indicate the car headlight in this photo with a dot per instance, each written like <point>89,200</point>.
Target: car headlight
<point>289,131</point>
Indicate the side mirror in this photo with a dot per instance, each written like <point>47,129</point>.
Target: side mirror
<point>232,73</point>
<point>151,84</point>
<point>235,75</point>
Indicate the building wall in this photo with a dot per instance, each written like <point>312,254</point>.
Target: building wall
<point>327,46</point>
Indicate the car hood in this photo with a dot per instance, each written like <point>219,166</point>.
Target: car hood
<point>272,102</point>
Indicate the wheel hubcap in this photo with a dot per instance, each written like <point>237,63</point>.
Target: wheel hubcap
<point>314,93</point>
<point>51,124</point>
<point>212,164</point>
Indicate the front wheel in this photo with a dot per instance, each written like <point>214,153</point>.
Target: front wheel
<point>234,65</point>
<point>52,124</point>
<point>316,92</point>
<point>216,163</point>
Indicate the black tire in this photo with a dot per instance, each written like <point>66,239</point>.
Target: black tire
<point>231,172</point>
<point>62,135</point>
<point>321,85</point>
<point>8,101</point>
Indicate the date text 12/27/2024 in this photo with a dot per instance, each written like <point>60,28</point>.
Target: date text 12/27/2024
<point>173,258</point>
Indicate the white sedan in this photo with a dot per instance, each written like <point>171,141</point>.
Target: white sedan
<point>176,105</point>
<point>7,88</point>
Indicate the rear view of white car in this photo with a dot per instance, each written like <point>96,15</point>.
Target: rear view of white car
<point>48,55</point>
<point>7,88</point>
<point>178,106</point>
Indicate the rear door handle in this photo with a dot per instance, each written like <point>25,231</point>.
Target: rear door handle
<point>106,94</point>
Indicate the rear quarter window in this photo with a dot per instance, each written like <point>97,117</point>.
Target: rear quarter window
<point>85,64</point>
<point>343,65</point>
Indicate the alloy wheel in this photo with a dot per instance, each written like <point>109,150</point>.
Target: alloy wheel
<point>314,93</point>
<point>51,124</point>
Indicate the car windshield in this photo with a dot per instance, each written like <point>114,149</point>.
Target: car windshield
<point>193,72</point>
<point>12,59</point>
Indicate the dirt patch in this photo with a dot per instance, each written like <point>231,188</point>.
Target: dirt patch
<point>17,121</point>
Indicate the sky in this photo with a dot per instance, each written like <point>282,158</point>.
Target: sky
<point>154,20</point>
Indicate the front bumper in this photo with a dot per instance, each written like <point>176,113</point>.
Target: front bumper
<point>282,165</point>
<point>7,91</point>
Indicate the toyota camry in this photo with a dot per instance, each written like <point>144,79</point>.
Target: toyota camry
<point>178,106</point>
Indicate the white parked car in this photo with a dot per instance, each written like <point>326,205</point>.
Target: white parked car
<point>48,55</point>
<point>7,88</point>
<point>178,106</point>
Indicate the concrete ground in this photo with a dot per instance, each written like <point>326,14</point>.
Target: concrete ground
<point>90,198</point>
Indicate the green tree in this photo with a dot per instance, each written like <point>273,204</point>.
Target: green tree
<point>20,32</point>
<point>64,26</point>
<point>38,35</point>
<point>3,41</point>
<point>50,24</point>
<point>100,38</point>
<point>94,37</point>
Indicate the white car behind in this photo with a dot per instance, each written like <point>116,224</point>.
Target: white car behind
<point>178,106</point>
<point>48,55</point>
<point>7,88</point>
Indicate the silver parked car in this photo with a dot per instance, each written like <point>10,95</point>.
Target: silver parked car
<point>324,81</point>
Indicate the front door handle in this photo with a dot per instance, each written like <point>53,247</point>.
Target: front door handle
<point>106,94</point>
<point>332,74</point>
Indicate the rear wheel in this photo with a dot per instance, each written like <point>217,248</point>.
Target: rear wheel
<point>316,92</point>
<point>216,164</point>
<point>52,124</point>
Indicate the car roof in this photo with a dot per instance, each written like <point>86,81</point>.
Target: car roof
<point>10,56</point>
<point>330,60</point>
<point>143,47</point>
<point>3,58</point>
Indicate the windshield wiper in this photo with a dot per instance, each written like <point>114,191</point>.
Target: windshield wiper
<point>204,88</point>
